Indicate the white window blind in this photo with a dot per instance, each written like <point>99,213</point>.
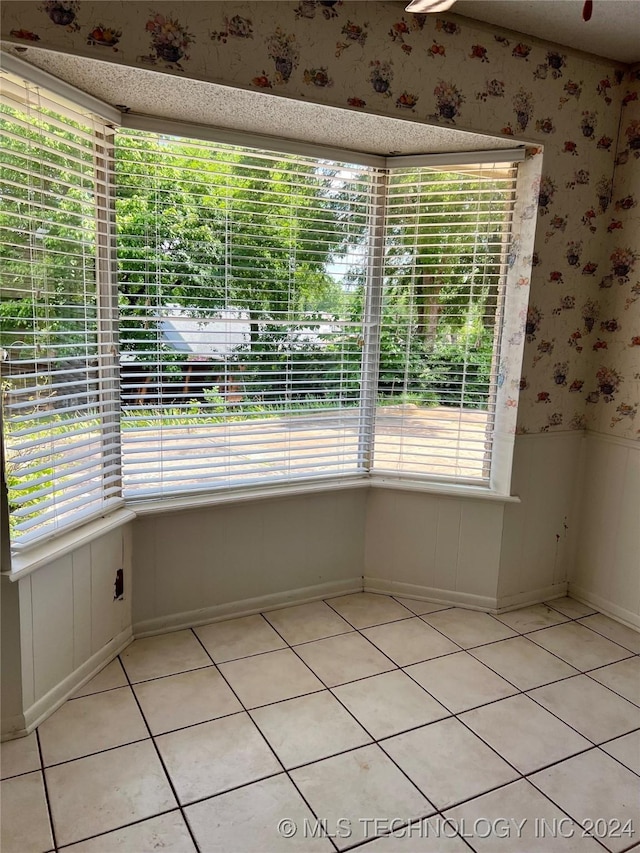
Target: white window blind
<point>445,256</point>
<point>58,345</point>
<point>272,317</point>
<point>286,317</point>
<point>241,285</point>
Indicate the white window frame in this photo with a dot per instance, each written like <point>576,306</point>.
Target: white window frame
<point>36,554</point>
<point>500,470</point>
<point>96,483</point>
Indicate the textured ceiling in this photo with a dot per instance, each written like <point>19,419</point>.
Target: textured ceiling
<point>613,31</point>
<point>147,92</point>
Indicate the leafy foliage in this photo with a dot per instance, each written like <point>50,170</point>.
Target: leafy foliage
<point>200,229</point>
<point>47,235</point>
<point>443,268</point>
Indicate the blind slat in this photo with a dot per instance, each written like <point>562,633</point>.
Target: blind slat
<point>246,288</point>
<point>61,428</point>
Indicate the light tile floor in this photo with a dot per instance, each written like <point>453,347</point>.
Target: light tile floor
<point>363,721</point>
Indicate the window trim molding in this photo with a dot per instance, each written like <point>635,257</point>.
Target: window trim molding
<point>39,554</point>
<point>282,145</point>
<point>36,76</point>
<point>33,556</point>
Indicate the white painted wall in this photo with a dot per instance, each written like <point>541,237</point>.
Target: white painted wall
<point>70,624</point>
<point>539,535</point>
<point>197,565</point>
<point>433,546</point>
<point>481,553</point>
<point>607,568</point>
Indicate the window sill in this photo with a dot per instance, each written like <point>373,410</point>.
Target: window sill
<point>46,552</point>
<point>39,555</point>
<point>175,503</point>
<point>143,507</point>
<point>451,490</point>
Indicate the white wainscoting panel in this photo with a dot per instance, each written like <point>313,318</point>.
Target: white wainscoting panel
<point>201,559</point>
<point>70,621</point>
<point>538,539</point>
<point>607,570</point>
<point>434,543</point>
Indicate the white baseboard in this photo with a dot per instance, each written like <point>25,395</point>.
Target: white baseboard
<point>427,593</point>
<point>464,599</point>
<point>536,596</point>
<point>51,701</point>
<point>244,607</point>
<point>620,614</point>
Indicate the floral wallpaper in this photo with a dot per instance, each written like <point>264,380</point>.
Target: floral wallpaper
<point>613,398</point>
<point>581,328</point>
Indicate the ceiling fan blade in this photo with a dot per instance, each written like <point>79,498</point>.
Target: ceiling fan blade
<point>587,10</point>
<point>422,6</point>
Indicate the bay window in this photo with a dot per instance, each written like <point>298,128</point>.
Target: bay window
<point>272,316</point>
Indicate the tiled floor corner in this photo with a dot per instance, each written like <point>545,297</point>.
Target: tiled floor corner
<point>363,721</point>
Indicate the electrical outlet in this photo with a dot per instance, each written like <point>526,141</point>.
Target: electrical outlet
<point>118,594</point>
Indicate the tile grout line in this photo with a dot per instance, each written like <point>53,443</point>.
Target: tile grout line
<point>394,665</point>
<point>46,792</point>
<point>438,609</point>
<point>450,714</point>
<point>472,649</point>
<point>601,746</point>
<point>411,615</point>
<point>467,648</point>
<point>587,673</point>
<point>586,737</point>
<point>564,810</point>
<point>526,693</point>
<point>348,625</point>
<point>557,681</point>
<point>118,828</point>
<point>391,834</point>
<point>97,752</point>
<point>617,737</point>
<point>463,802</point>
<point>542,793</point>
<point>522,776</point>
<point>259,730</point>
<point>577,672</point>
<point>520,692</point>
<point>604,636</point>
<point>161,760</point>
<point>456,716</point>
<point>330,693</point>
<point>557,609</point>
<point>142,681</point>
<point>374,741</point>
<point>599,666</point>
